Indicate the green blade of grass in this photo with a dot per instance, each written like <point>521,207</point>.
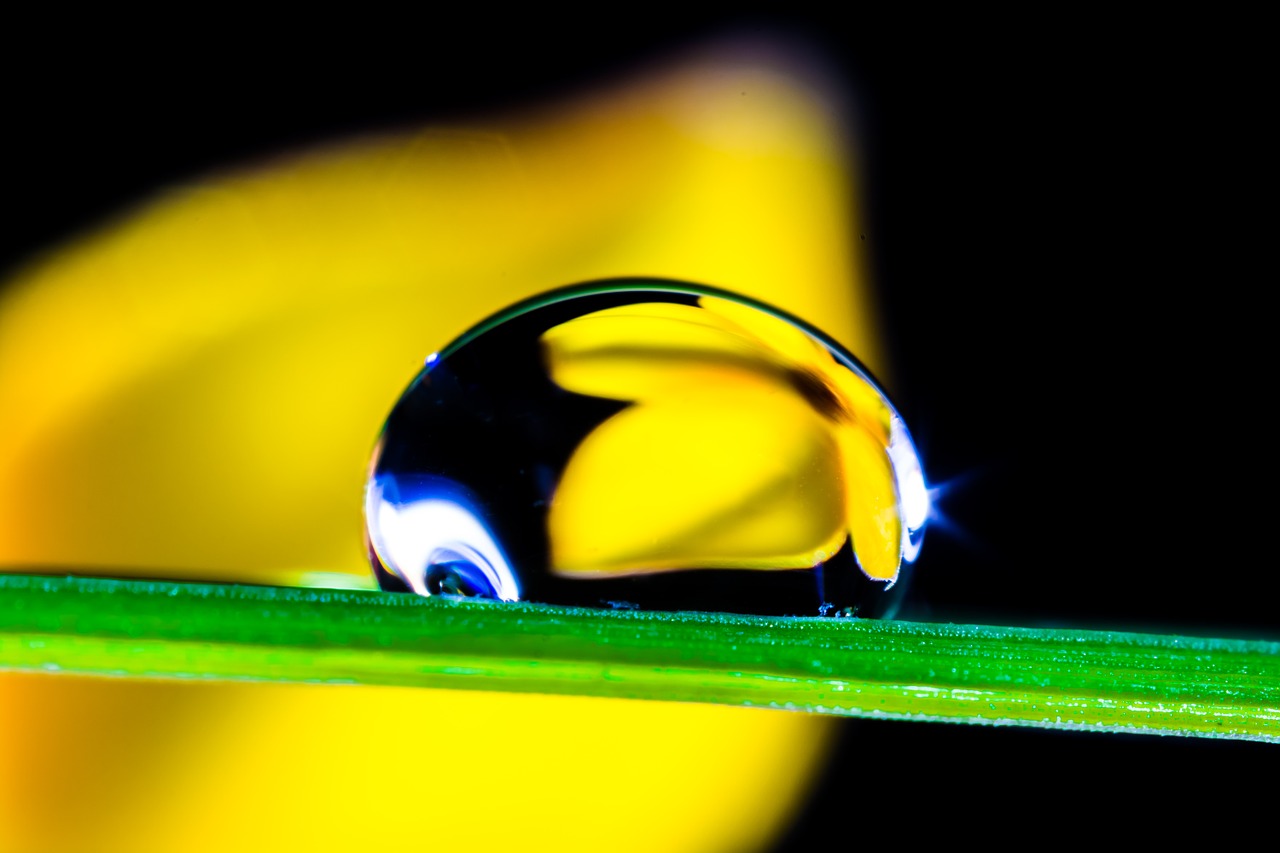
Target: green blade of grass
<point>1098,680</point>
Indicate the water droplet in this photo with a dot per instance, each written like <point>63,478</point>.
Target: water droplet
<point>648,444</point>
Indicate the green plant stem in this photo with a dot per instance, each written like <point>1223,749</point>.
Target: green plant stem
<point>1099,680</point>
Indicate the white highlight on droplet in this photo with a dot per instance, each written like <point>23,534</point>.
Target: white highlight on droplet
<point>913,494</point>
<point>410,536</point>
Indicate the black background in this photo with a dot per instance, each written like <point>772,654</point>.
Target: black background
<point>1066,222</point>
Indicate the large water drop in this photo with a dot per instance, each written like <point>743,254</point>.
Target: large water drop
<point>648,444</point>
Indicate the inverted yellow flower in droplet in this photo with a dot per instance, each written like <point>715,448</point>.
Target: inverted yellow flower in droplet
<point>748,445</point>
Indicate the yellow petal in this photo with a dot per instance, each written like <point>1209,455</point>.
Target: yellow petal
<point>861,401</point>
<point>872,504</point>
<point>858,399</point>
<point>779,335</point>
<point>731,480</point>
<point>655,350</point>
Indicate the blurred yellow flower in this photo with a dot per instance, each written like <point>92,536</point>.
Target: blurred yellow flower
<point>193,391</point>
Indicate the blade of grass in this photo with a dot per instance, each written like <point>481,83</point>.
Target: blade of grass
<point>1098,680</point>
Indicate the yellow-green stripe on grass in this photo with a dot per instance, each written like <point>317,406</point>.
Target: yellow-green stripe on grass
<point>1096,680</point>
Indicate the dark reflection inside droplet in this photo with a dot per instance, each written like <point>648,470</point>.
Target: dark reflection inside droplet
<point>458,576</point>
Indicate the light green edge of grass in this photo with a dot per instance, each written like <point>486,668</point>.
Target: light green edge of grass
<point>1094,680</point>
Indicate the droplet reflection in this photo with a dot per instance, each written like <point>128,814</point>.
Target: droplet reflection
<point>648,444</point>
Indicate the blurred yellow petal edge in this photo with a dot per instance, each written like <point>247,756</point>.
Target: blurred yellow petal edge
<point>195,389</point>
